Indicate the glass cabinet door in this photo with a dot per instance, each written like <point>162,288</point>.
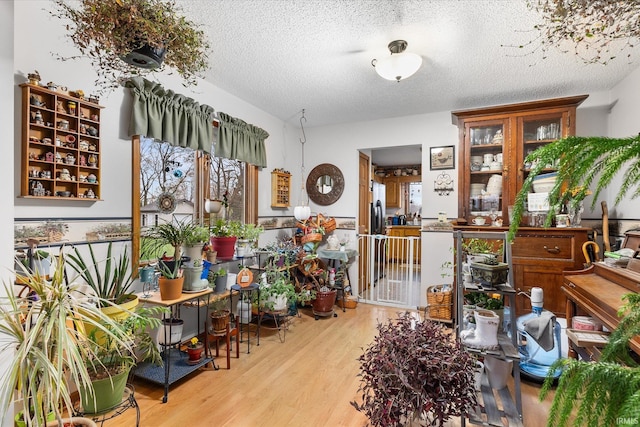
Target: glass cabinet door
<point>486,167</point>
<point>537,131</point>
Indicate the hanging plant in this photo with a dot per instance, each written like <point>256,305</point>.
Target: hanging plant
<point>596,31</point>
<point>126,38</point>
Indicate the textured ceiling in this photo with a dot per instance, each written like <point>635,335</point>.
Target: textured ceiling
<point>283,56</point>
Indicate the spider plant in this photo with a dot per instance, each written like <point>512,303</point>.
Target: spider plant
<point>44,332</point>
<point>113,282</point>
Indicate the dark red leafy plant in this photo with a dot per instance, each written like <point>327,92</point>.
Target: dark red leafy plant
<point>414,372</point>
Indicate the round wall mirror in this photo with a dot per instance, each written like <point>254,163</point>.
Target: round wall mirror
<point>325,184</point>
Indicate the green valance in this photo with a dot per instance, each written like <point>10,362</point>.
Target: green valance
<point>241,141</point>
<point>168,116</point>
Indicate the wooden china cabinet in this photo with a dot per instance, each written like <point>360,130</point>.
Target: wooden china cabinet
<point>488,186</point>
<point>511,130</point>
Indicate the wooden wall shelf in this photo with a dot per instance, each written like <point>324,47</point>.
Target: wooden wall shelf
<point>61,147</point>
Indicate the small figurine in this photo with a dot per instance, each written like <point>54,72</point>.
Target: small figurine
<point>65,175</point>
<point>90,194</point>
<point>93,160</point>
<point>83,145</point>
<point>34,78</point>
<point>83,160</point>
<point>37,189</point>
<point>49,157</point>
<point>92,131</point>
<point>83,128</point>
<point>71,159</point>
<point>60,107</point>
<point>59,158</point>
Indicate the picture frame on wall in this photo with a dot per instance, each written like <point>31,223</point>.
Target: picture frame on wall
<point>442,157</point>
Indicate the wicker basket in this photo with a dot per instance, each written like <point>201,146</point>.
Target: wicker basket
<point>329,224</point>
<point>439,302</point>
<point>311,238</point>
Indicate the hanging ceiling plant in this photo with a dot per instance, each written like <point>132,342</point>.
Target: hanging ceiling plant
<point>125,38</point>
<point>596,30</point>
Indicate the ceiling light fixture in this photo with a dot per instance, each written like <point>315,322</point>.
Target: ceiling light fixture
<point>400,64</point>
<point>302,211</point>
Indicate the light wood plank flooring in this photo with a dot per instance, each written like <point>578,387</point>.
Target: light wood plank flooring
<point>308,380</point>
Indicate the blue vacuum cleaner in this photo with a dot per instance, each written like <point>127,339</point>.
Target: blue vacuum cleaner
<point>539,338</point>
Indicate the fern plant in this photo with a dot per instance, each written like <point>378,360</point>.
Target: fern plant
<point>606,392</point>
<point>582,161</point>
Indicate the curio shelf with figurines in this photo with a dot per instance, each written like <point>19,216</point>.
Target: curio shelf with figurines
<point>61,147</point>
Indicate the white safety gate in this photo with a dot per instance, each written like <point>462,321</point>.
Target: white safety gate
<point>390,271</point>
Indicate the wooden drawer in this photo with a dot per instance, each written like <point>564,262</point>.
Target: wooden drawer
<point>544,247</point>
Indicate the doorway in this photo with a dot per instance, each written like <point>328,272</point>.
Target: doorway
<point>389,266</point>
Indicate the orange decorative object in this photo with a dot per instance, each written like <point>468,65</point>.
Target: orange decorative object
<point>245,278</point>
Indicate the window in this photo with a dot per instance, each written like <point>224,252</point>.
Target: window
<point>189,177</point>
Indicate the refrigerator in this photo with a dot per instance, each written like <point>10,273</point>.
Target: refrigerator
<point>378,228</point>
<point>378,209</point>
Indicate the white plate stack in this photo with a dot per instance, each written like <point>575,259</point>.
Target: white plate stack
<point>476,189</point>
<point>494,186</point>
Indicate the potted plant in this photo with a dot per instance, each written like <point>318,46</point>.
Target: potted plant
<point>276,289</point>
<point>600,393</point>
<point>248,235</point>
<point>220,311</point>
<point>112,283</point>
<point>194,241</point>
<point>109,362</point>
<point>218,280</point>
<point>194,350</point>
<point>126,38</point>
<point>224,234</point>
<point>414,372</point>
<point>49,355</point>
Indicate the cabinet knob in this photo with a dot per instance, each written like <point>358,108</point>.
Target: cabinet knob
<point>555,250</point>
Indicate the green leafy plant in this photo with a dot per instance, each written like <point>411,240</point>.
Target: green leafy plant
<point>107,31</point>
<point>213,275</point>
<point>112,282</point>
<point>600,393</point>
<point>484,300</point>
<point>413,372</point>
<point>47,354</point>
<point>171,233</point>
<point>219,305</point>
<point>196,235</point>
<point>582,161</point>
<point>226,228</point>
<point>277,283</point>
<point>107,357</point>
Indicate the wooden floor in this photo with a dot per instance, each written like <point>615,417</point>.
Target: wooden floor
<point>308,380</point>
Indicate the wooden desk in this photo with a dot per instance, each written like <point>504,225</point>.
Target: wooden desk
<point>598,291</point>
<point>171,359</point>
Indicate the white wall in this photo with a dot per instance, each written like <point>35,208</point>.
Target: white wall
<point>6,163</point>
<point>623,122</point>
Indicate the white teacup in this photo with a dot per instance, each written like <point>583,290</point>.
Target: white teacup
<point>479,220</point>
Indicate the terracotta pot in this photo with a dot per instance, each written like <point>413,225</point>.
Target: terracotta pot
<point>224,246</point>
<point>195,353</point>
<point>170,288</point>
<point>324,302</point>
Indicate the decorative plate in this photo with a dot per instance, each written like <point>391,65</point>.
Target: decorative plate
<point>166,203</point>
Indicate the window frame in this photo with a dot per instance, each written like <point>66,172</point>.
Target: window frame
<point>202,163</point>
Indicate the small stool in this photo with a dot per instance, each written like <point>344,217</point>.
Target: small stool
<point>227,334</point>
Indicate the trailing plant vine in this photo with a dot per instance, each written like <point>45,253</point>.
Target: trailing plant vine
<point>106,31</point>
